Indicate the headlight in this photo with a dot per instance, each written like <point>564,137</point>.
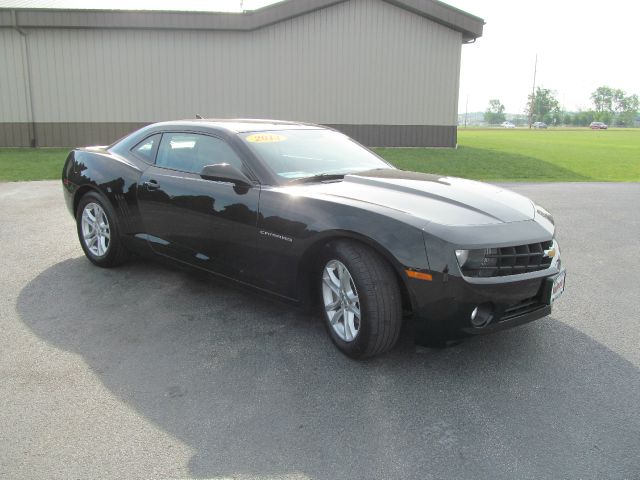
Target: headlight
<point>477,259</point>
<point>463,256</point>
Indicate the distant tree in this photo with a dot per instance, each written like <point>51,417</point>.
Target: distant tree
<point>543,107</point>
<point>614,105</point>
<point>604,117</point>
<point>494,113</point>
<point>583,118</point>
<point>519,119</point>
<point>602,99</point>
<point>627,109</point>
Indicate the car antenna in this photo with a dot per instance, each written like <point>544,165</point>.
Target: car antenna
<point>198,116</point>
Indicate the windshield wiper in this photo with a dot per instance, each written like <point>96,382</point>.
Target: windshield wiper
<point>321,177</point>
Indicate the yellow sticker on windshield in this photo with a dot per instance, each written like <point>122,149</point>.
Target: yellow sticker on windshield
<point>265,138</point>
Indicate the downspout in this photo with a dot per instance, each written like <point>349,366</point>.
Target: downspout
<point>26,70</point>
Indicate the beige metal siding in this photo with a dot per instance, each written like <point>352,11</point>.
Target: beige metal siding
<point>358,62</point>
<point>15,126</point>
<point>13,95</point>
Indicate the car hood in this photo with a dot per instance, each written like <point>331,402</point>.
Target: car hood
<point>432,198</point>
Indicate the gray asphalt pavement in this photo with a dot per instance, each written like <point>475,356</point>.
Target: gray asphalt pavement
<point>146,371</point>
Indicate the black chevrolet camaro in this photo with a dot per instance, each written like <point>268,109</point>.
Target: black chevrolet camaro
<point>306,213</point>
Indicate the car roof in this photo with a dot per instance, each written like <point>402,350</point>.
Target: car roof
<point>239,125</point>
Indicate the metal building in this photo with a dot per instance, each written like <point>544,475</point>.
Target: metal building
<point>383,71</point>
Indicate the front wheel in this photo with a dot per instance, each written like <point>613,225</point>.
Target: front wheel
<point>98,231</point>
<point>360,299</point>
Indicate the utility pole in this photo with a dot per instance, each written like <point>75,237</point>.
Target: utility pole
<point>533,92</point>
<point>466,112</point>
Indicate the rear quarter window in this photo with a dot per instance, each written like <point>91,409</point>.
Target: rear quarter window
<point>146,149</point>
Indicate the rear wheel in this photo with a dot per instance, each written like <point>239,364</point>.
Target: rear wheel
<point>360,299</point>
<point>98,231</point>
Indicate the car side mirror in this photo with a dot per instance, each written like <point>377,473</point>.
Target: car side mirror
<point>224,172</point>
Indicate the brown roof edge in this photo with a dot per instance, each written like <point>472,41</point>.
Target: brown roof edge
<point>469,25</point>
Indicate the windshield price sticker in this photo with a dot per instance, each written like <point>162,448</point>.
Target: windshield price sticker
<point>265,138</point>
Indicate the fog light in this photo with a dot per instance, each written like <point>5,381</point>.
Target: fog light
<point>482,315</point>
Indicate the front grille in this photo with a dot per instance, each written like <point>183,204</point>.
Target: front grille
<point>499,262</point>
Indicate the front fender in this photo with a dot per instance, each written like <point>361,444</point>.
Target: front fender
<point>290,228</point>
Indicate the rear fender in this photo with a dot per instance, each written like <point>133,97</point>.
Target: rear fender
<point>111,176</point>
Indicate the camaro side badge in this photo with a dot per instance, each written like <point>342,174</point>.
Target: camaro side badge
<point>275,235</point>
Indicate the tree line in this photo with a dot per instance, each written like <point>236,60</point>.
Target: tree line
<point>610,105</point>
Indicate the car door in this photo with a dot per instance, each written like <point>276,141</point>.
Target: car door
<point>209,224</point>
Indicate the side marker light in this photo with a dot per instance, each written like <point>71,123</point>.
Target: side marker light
<point>419,275</point>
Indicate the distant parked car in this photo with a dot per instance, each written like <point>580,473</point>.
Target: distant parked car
<point>598,126</point>
<point>539,125</point>
<point>507,125</point>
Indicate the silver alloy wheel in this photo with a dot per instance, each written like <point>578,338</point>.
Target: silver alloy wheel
<point>96,232</point>
<point>341,300</point>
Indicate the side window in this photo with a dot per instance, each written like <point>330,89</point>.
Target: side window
<point>146,149</point>
<point>189,152</point>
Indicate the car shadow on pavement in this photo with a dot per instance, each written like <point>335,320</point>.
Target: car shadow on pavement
<point>256,388</point>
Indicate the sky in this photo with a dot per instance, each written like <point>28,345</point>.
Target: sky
<point>580,44</point>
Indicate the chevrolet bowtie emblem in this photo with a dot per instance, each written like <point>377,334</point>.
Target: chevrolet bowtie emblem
<point>550,253</point>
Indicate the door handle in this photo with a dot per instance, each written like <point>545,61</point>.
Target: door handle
<point>151,185</point>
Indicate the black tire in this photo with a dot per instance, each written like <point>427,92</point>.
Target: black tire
<point>380,302</point>
<point>115,253</point>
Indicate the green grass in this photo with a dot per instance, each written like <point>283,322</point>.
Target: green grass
<point>31,163</point>
<point>554,155</point>
<point>561,155</point>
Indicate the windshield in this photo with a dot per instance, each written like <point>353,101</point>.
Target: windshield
<point>296,154</point>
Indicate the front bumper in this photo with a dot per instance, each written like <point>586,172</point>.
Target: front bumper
<point>446,303</point>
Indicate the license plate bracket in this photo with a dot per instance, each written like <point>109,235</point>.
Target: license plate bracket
<point>554,287</point>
